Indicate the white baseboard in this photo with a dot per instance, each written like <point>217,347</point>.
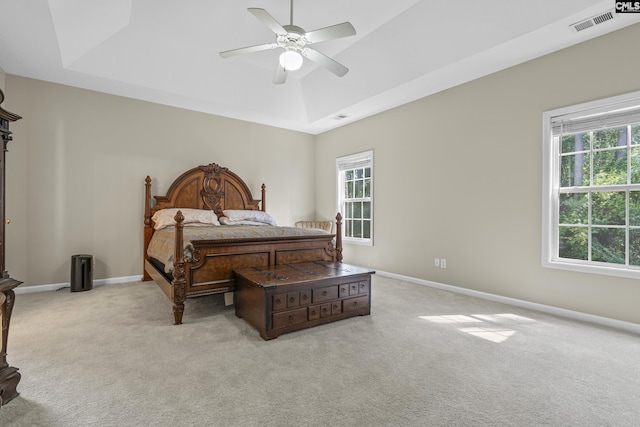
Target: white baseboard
<point>584,317</point>
<point>576,315</point>
<point>57,286</point>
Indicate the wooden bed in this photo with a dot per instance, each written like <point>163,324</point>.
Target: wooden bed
<point>210,268</point>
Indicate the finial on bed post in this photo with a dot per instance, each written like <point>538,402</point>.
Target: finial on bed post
<point>264,198</point>
<point>179,283</point>
<point>339,237</point>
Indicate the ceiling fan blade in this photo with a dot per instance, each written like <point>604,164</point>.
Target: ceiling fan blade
<point>322,59</point>
<point>281,75</point>
<point>249,49</point>
<point>333,32</point>
<point>267,20</point>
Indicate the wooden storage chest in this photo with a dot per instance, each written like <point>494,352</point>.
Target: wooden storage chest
<point>289,297</point>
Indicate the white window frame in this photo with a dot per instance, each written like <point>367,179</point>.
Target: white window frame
<point>358,160</point>
<point>551,183</point>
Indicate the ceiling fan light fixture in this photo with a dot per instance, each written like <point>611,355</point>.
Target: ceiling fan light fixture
<point>291,60</point>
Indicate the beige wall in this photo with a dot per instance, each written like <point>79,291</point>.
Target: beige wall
<point>458,175</point>
<point>2,79</point>
<point>77,165</point>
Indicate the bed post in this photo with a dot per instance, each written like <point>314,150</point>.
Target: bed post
<point>148,230</point>
<point>179,283</point>
<point>264,198</point>
<point>339,237</point>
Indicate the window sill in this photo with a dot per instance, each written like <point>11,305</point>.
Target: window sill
<point>361,242</point>
<point>626,272</point>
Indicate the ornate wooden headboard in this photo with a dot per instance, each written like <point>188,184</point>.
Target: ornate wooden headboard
<point>208,187</point>
<point>204,187</point>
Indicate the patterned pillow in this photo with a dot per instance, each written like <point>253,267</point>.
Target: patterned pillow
<point>249,215</point>
<point>165,217</point>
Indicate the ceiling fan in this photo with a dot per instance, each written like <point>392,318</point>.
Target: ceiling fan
<point>296,44</point>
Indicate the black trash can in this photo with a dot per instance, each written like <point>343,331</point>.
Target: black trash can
<point>81,273</point>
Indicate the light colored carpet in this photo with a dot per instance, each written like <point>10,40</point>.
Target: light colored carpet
<point>425,357</point>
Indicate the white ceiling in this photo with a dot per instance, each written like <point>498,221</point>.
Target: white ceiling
<point>166,51</point>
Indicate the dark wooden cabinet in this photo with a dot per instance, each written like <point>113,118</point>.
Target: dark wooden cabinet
<point>9,375</point>
<point>290,297</point>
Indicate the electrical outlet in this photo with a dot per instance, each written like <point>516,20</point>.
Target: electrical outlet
<point>436,262</point>
<point>443,263</point>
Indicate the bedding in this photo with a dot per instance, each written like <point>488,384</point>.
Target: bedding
<point>228,221</point>
<point>162,243</point>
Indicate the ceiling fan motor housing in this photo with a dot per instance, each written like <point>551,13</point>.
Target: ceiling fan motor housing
<point>294,39</point>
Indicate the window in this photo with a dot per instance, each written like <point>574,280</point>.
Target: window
<point>591,189</point>
<point>355,196</point>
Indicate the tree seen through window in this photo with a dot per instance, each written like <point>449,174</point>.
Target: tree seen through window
<point>599,200</point>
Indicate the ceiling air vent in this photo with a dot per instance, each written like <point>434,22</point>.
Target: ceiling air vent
<point>594,20</point>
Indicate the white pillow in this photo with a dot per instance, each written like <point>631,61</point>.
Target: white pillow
<point>165,217</point>
<point>249,215</point>
<point>228,221</point>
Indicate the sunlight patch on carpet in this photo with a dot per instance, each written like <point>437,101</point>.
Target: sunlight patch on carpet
<point>495,335</point>
<point>492,334</point>
<point>458,318</point>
